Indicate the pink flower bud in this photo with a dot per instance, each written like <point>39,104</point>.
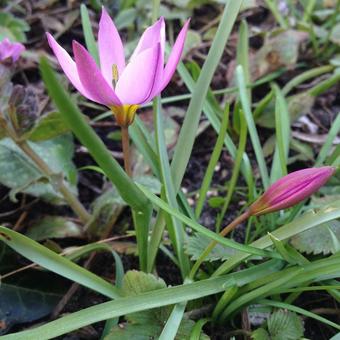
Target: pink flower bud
<point>291,189</point>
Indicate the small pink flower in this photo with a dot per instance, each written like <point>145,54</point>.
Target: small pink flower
<point>10,51</point>
<point>116,84</point>
<point>291,189</point>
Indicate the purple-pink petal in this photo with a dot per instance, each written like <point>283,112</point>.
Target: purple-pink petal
<point>291,189</point>
<point>175,55</point>
<point>152,36</point>
<point>68,66</point>
<point>111,50</point>
<point>9,50</point>
<point>92,79</point>
<point>138,79</point>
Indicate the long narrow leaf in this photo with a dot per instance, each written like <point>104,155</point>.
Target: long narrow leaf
<point>251,126</point>
<point>189,128</point>
<point>153,299</point>
<point>58,264</point>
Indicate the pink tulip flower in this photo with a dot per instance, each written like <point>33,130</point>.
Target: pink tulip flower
<point>10,51</point>
<point>116,84</point>
<point>291,189</point>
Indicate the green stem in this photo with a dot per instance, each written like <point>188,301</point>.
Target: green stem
<point>324,85</point>
<point>155,10</point>
<point>212,163</point>
<point>275,11</point>
<point>301,78</point>
<point>236,170</point>
<point>212,244</point>
<point>126,149</point>
<point>69,197</point>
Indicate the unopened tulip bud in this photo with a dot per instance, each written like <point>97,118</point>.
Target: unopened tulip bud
<point>291,189</point>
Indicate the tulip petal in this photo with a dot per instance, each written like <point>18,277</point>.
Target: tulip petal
<point>139,76</point>
<point>111,50</point>
<point>150,38</point>
<point>68,66</point>
<point>175,55</point>
<point>92,79</point>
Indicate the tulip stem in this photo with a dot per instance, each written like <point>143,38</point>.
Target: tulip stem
<point>126,149</point>
<point>69,197</point>
<point>226,230</point>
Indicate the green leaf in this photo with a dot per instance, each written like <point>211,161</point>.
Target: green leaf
<point>49,126</point>
<point>216,202</point>
<point>285,325</point>
<point>105,211</point>
<point>318,240</point>
<point>260,334</point>
<point>12,28</point>
<point>147,324</point>
<point>298,105</point>
<point>198,243</point>
<point>136,282</point>
<point>88,33</point>
<point>335,34</point>
<point>21,175</point>
<point>144,301</point>
<point>21,305</point>
<point>191,121</point>
<point>56,263</point>
<point>53,227</point>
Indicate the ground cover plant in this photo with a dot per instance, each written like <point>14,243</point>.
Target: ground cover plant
<point>169,169</point>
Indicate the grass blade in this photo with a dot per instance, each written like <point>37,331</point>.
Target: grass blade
<point>171,327</point>
<point>153,299</point>
<point>88,33</point>
<point>251,126</point>
<point>282,128</point>
<point>332,134</point>
<point>212,163</point>
<point>56,263</point>
<point>175,228</point>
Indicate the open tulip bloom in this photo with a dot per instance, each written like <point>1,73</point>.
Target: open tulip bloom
<point>116,84</point>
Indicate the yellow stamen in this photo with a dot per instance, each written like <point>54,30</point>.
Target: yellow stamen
<point>125,114</point>
<point>115,75</point>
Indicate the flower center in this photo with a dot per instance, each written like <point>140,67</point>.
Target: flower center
<point>125,114</point>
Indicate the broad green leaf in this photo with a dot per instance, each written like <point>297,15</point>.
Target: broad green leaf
<point>298,105</point>
<point>260,334</point>
<point>105,211</point>
<point>318,240</point>
<point>198,243</point>
<point>136,282</point>
<point>49,126</point>
<point>53,227</point>
<point>20,174</point>
<point>285,325</point>
<point>335,34</point>
<point>22,305</point>
<point>12,27</point>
